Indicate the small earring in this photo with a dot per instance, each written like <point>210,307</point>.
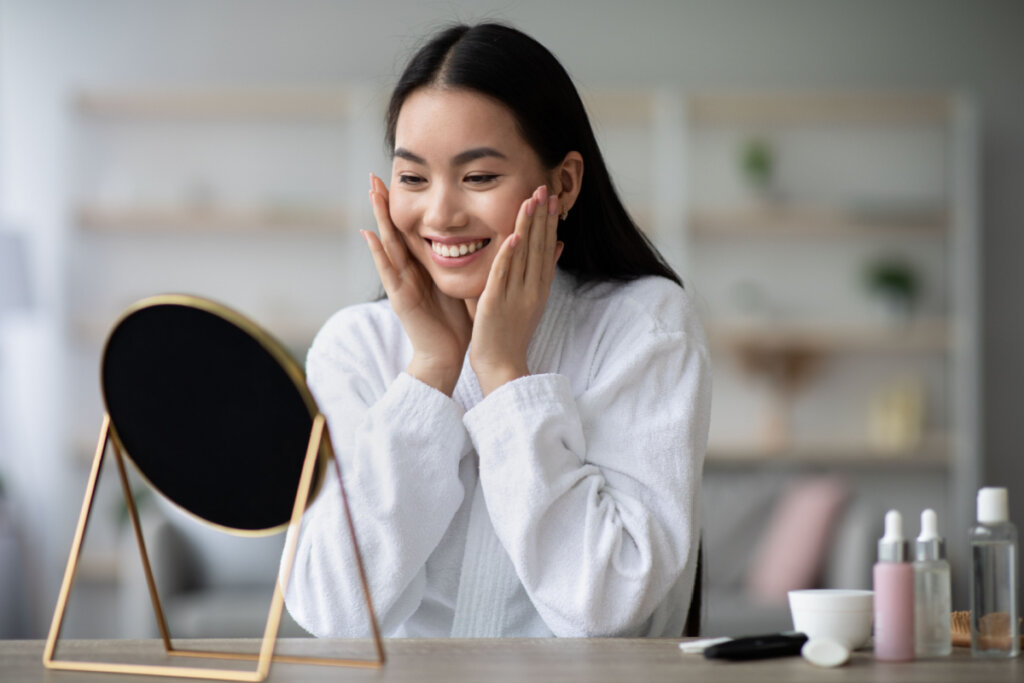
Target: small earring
<point>564,214</point>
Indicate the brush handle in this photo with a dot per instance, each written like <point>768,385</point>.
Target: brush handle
<point>758,647</point>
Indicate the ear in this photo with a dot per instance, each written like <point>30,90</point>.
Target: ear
<point>567,178</point>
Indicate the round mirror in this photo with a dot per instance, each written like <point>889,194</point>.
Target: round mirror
<point>212,411</point>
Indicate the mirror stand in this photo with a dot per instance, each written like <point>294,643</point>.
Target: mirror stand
<point>318,436</point>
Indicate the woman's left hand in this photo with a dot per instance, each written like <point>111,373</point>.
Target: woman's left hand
<point>516,293</point>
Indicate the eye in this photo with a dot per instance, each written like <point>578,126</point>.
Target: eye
<point>410,179</point>
<point>481,178</point>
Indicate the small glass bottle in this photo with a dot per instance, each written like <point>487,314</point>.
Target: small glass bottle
<point>932,603</point>
<point>994,629</point>
<point>894,594</point>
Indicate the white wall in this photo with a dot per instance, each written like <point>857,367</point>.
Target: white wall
<point>48,48</point>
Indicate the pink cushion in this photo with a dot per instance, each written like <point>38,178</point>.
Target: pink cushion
<point>792,550</point>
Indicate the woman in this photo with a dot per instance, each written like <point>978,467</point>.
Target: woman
<point>522,422</point>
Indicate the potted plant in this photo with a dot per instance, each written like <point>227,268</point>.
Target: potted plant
<point>757,165</point>
<point>895,284</point>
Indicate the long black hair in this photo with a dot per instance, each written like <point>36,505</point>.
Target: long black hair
<point>601,240</point>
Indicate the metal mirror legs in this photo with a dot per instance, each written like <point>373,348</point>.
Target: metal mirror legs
<point>266,655</point>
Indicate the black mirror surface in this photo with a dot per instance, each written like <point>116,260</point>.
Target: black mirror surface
<point>212,411</point>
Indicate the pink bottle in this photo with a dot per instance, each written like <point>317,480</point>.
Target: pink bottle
<point>894,594</point>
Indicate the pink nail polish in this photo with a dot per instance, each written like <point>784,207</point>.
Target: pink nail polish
<point>542,193</point>
<point>531,205</point>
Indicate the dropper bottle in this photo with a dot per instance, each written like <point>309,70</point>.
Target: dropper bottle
<point>932,602</point>
<point>894,594</point>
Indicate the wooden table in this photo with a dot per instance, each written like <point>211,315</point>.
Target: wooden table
<point>512,660</point>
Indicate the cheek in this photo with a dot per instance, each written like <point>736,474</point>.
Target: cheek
<point>402,213</point>
<point>502,212</point>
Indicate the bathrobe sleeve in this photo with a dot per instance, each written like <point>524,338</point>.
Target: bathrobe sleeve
<point>594,494</point>
<point>399,442</point>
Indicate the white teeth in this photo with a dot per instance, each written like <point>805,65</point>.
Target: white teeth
<point>456,249</point>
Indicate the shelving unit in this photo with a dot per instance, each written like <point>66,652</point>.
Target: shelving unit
<point>924,335</point>
<point>814,222</point>
<point>932,453</point>
<point>310,103</point>
<point>246,195</point>
<point>199,220</point>
<point>791,198</point>
<point>851,176</point>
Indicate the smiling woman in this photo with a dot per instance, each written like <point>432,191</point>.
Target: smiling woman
<point>525,415</point>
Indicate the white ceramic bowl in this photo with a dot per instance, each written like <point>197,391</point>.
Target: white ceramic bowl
<point>842,615</point>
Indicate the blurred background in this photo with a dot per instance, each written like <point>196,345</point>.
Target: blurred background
<point>838,183</point>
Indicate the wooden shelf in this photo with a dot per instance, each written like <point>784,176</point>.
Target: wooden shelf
<point>932,453</point>
<point>916,335</point>
<point>153,220</point>
<point>808,108</point>
<point>619,107</point>
<point>277,103</point>
<point>770,221</point>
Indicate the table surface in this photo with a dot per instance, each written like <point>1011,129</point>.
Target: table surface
<point>499,660</point>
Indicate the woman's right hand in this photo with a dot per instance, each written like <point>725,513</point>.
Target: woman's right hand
<point>438,326</point>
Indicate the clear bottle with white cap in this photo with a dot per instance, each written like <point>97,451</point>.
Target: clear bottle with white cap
<point>932,602</point>
<point>994,628</point>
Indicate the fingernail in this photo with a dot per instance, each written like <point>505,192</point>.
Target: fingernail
<point>530,206</point>
<point>552,206</point>
<point>542,193</point>
<point>371,181</point>
<point>513,240</point>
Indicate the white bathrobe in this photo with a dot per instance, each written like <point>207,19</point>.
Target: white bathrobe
<point>565,503</point>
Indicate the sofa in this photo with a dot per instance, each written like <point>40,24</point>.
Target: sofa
<point>769,531</point>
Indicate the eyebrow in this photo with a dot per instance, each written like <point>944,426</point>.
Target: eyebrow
<point>457,160</point>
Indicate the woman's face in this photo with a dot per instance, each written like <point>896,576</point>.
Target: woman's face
<point>460,173</point>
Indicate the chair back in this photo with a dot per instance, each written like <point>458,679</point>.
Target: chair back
<point>691,627</point>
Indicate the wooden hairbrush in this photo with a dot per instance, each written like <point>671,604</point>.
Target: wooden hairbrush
<point>991,624</point>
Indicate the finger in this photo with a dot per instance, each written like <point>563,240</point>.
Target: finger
<point>525,229</point>
<point>378,185</point>
<point>390,238</point>
<point>386,271</point>
<point>553,247</point>
<point>517,261</point>
<point>540,252</point>
<point>496,288</point>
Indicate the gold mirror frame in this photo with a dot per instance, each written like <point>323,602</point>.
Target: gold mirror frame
<point>319,442</point>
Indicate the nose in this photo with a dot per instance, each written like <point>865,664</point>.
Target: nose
<point>444,209</point>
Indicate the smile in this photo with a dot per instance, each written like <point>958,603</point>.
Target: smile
<point>457,250</point>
